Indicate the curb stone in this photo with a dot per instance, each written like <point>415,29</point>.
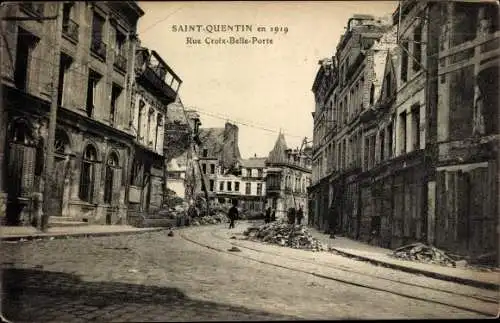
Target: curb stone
<point>22,238</point>
<point>454,279</point>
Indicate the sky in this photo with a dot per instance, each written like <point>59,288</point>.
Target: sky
<point>267,86</point>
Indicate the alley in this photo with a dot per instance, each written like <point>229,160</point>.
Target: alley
<point>192,276</point>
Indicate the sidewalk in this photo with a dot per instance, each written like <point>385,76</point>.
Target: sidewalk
<point>16,233</point>
<point>381,257</point>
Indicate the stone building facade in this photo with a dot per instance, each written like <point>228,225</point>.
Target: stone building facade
<point>151,97</point>
<point>93,136</point>
<point>253,184</point>
<point>288,174</point>
<point>427,167</point>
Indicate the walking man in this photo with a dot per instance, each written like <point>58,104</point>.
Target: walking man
<point>300,215</point>
<point>233,214</point>
<point>267,218</point>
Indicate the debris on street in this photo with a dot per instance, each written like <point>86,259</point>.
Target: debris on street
<point>210,219</point>
<point>286,235</point>
<point>171,234</point>
<point>424,253</point>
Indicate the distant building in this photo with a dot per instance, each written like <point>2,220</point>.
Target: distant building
<point>288,176</point>
<point>253,184</point>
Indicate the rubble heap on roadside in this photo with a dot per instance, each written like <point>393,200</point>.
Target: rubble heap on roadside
<point>286,235</point>
<point>424,253</point>
<point>210,219</point>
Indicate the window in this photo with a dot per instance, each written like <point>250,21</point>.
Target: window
<point>382,145</point>
<point>229,186</point>
<point>69,27</point>
<point>249,172</point>
<point>211,185</point>
<point>417,48</point>
<point>404,61</point>
<point>366,153</point>
<point>110,177</point>
<point>221,186</point>
<point>64,65</point>
<point>388,86</point>
<point>389,141</point>
<point>148,130</point>
<point>415,120</point>
<point>116,91</point>
<point>247,188</point>
<point>371,161</point>
<point>66,13</point>
<point>136,174</point>
<point>465,18</point>
<point>97,45</point>
<point>139,119</point>
<point>204,168</point>
<point>120,43</point>
<point>237,186</point>
<point>402,132</point>
<point>260,173</point>
<point>259,188</point>
<point>158,132</point>
<point>92,88</point>
<point>205,152</point>
<point>87,175</point>
<point>25,44</point>
<point>212,169</point>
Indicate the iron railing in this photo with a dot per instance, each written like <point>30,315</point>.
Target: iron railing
<point>120,62</point>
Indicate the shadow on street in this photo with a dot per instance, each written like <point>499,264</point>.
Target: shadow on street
<point>38,295</point>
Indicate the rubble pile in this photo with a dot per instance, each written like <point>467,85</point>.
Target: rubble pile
<point>286,235</point>
<point>421,252</point>
<point>210,219</point>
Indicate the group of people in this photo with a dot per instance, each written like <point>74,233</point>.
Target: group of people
<point>295,215</point>
<point>270,215</point>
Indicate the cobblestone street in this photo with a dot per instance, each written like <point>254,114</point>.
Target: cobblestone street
<point>154,277</point>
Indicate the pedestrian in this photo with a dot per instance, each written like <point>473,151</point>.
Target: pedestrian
<point>267,218</point>
<point>300,215</point>
<point>273,215</point>
<point>233,214</point>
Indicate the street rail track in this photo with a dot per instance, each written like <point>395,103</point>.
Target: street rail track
<point>486,300</point>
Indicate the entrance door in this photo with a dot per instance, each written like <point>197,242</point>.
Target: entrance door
<point>56,192</point>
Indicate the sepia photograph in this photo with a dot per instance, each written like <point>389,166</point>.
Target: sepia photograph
<point>166,161</point>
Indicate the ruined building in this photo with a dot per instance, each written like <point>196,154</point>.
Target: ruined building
<point>94,136</point>
<point>415,157</point>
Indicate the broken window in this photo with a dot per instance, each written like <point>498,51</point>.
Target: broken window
<point>92,90</point>
<point>97,45</point>
<point>415,120</point>
<point>402,133</point>
<point>404,61</point>
<point>87,175</point>
<point>64,65</point>
<point>116,92</point>
<point>417,47</point>
<point>465,16</point>
<point>25,45</point>
<point>159,134</point>
<point>136,174</point>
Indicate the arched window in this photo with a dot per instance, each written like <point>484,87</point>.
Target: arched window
<point>372,94</point>
<point>111,177</point>
<point>87,176</point>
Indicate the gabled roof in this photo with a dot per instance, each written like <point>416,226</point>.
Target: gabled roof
<point>278,154</point>
<point>255,162</point>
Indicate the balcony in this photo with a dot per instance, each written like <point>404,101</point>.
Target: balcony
<point>70,30</point>
<point>159,86</point>
<point>98,48</point>
<point>32,8</point>
<point>120,62</point>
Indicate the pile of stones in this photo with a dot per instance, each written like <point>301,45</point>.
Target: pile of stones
<point>286,235</point>
<point>210,219</point>
<point>424,253</point>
